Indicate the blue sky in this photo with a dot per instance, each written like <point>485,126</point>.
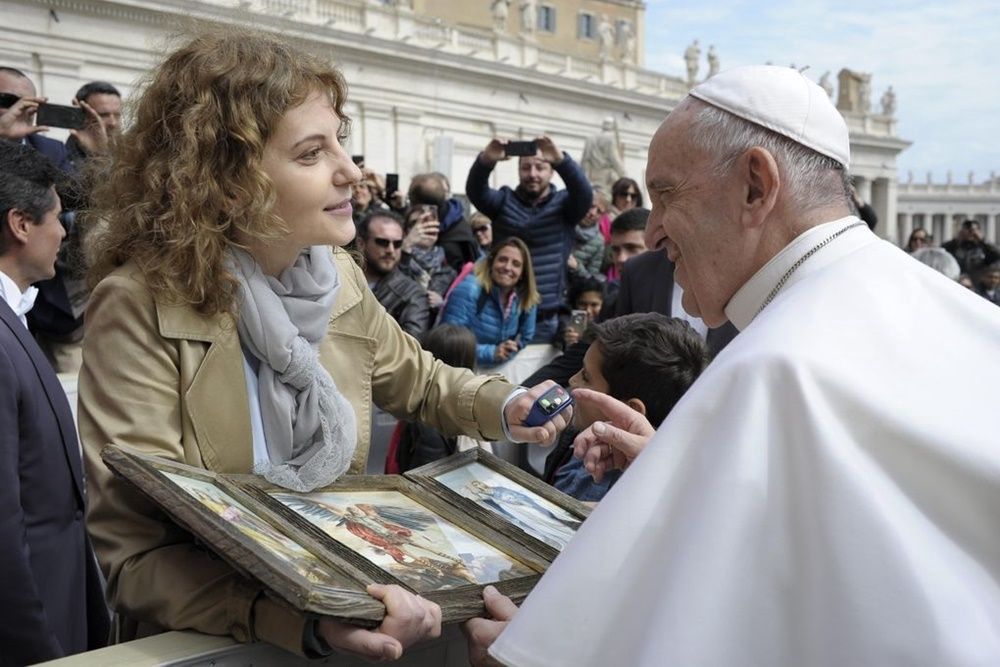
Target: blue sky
<point>940,57</point>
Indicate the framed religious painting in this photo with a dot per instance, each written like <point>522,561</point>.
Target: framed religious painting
<point>395,531</point>
<point>318,551</point>
<point>254,540</point>
<point>499,494</point>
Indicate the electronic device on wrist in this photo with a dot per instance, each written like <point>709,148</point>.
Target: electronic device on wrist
<point>548,405</point>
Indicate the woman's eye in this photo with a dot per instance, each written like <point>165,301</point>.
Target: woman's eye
<point>310,155</point>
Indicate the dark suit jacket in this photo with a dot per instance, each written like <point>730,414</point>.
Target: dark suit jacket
<point>647,286</point>
<point>51,602</point>
<point>52,149</point>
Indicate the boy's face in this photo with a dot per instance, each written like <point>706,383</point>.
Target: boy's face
<point>626,245</point>
<point>589,377</point>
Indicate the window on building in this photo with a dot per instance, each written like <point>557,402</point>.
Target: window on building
<point>586,26</point>
<point>547,18</point>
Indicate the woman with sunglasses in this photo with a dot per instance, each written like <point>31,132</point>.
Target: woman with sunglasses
<point>230,331</point>
<point>498,301</point>
<point>625,194</point>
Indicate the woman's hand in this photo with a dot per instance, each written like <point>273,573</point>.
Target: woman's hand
<point>571,337</point>
<point>408,619</point>
<point>518,410</point>
<point>506,350</point>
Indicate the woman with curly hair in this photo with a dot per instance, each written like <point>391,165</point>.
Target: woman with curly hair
<point>229,330</point>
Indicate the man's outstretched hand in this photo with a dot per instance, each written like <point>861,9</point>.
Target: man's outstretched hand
<point>614,443</point>
<point>480,633</point>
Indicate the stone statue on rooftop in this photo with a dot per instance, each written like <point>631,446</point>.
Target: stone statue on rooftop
<point>889,102</point>
<point>824,83</point>
<point>629,54</point>
<point>500,9</point>
<point>529,13</point>
<point>713,62</point>
<point>601,160</point>
<point>607,35</point>
<point>691,55</point>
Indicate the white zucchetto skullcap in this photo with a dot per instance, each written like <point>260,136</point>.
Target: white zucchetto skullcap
<point>784,101</point>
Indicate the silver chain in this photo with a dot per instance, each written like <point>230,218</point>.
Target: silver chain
<point>796,265</point>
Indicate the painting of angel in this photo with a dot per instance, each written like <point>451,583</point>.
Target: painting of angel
<point>259,531</point>
<point>404,538</point>
<point>501,495</point>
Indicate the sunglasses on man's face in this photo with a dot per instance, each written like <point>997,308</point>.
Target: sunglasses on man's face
<point>385,243</point>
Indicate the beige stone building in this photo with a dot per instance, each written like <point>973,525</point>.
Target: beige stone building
<point>571,27</point>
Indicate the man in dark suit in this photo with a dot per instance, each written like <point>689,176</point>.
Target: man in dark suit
<point>647,286</point>
<point>51,602</point>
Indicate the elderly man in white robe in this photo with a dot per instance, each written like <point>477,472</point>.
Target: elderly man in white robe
<point>827,493</point>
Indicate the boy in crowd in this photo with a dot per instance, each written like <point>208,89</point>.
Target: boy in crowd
<point>645,360</point>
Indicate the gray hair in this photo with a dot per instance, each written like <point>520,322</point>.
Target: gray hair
<point>807,173</point>
<point>940,260</point>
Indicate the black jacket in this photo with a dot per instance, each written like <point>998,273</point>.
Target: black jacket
<point>405,301</point>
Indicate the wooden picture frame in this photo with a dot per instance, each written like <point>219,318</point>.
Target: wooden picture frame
<point>360,542</point>
<point>547,516</point>
<point>163,481</point>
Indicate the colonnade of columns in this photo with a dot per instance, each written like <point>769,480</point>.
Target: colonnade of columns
<point>944,225</point>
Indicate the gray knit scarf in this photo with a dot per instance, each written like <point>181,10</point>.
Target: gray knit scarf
<point>309,426</point>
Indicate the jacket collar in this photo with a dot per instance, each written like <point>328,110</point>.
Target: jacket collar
<point>217,398</point>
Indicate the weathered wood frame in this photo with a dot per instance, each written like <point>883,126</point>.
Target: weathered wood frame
<point>426,476</point>
<point>353,605</point>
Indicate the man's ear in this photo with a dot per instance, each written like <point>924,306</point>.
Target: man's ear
<point>762,181</point>
<point>17,224</point>
<point>637,405</point>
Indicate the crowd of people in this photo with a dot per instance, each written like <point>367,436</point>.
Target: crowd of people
<point>238,297</point>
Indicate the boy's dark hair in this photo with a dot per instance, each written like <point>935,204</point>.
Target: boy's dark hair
<point>26,180</point>
<point>453,344</point>
<point>96,88</point>
<point>584,285</point>
<point>632,220</point>
<point>379,213</point>
<point>650,357</point>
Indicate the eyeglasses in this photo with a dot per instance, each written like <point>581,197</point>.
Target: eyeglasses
<point>385,243</point>
<point>479,230</point>
<point>631,195</point>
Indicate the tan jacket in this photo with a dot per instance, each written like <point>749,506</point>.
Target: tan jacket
<point>169,381</point>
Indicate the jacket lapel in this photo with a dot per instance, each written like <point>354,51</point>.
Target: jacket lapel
<point>216,396</point>
<point>54,394</point>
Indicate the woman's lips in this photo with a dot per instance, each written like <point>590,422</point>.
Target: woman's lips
<point>340,208</point>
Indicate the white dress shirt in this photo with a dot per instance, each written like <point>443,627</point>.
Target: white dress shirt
<point>19,302</point>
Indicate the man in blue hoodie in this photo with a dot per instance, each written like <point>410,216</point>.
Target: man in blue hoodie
<point>543,216</point>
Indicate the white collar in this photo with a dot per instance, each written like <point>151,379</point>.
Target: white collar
<point>749,299</point>
<point>18,302</point>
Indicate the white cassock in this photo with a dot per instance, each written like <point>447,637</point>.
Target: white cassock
<point>827,493</point>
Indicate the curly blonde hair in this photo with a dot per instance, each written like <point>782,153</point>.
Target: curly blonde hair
<point>187,177</point>
<point>526,288</point>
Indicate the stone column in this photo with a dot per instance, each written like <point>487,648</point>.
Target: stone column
<point>905,228</point>
<point>883,200</point>
<point>864,187</point>
<point>378,137</point>
<point>410,155</point>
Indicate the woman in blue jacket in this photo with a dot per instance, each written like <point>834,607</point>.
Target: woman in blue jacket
<point>498,301</point>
